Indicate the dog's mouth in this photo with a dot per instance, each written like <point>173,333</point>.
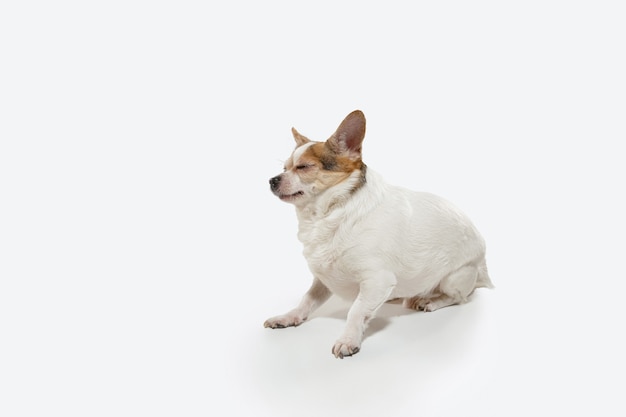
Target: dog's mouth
<point>287,197</point>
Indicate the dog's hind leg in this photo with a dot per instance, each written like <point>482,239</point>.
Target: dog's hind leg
<point>454,289</point>
<point>419,301</point>
<point>314,297</point>
<point>373,292</point>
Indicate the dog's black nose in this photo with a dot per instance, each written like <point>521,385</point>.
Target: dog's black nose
<point>275,182</point>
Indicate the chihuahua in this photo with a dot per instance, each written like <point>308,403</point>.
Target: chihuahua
<point>371,242</point>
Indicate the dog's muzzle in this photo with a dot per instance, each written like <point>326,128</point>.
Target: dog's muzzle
<point>275,183</point>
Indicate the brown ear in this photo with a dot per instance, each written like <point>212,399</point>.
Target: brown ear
<point>349,135</point>
<point>300,139</point>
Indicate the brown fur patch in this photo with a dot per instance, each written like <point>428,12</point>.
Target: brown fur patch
<point>331,167</point>
<point>332,161</point>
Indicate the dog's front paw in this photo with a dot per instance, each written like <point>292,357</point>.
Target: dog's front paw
<point>345,347</point>
<point>286,320</point>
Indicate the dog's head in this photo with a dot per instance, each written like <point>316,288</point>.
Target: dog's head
<point>316,167</point>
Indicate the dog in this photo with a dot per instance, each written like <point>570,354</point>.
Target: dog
<point>371,242</point>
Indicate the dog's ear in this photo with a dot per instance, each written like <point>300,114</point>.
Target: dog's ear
<point>349,135</point>
<point>300,139</point>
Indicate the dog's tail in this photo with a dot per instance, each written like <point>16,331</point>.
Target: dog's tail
<point>483,279</point>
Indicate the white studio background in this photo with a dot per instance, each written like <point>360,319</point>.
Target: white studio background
<point>141,250</point>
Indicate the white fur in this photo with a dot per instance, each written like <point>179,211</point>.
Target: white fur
<point>383,242</point>
<point>419,237</point>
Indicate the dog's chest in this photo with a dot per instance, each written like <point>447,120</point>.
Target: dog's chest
<point>322,244</point>
<point>326,244</point>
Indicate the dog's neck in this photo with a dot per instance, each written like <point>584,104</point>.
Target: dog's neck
<point>339,196</point>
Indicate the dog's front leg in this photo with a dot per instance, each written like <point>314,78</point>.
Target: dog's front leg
<point>314,297</point>
<point>373,292</point>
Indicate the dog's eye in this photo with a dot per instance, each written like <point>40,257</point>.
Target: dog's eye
<point>303,166</point>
